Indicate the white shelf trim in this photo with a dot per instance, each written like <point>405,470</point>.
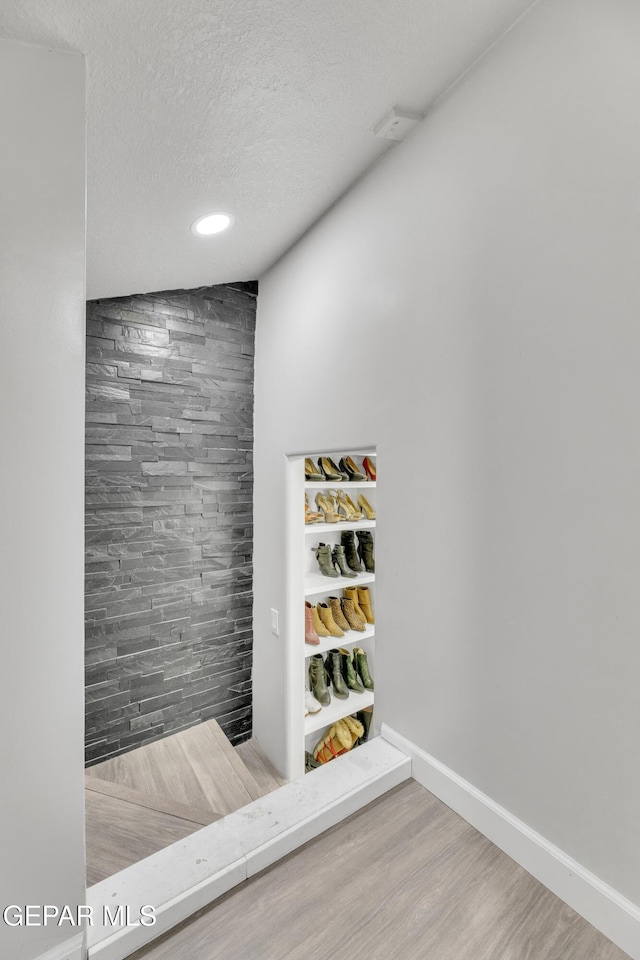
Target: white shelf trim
<point>316,583</point>
<point>316,528</point>
<point>350,639</point>
<point>342,484</point>
<point>337,709</point>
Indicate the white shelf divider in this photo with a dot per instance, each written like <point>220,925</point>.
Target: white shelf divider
<point>342,484</point>
<point>316,583</point>
<point>336,710</point>
<point>353,638</point>
<point>317,528</point>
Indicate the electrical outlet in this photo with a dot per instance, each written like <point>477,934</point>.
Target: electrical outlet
<point>275,627</point>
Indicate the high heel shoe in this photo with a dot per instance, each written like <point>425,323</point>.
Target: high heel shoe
<point>309,515</point>
<point>348,541</point>
<point>326,503</point>
<point>366,507</point>
<point>310,471</point>
<point>369,468</point>
<point>348,466</point>
<point>346,505</point>
<point>325,560</point>
<point>329,469</point>
<point>365,550</point>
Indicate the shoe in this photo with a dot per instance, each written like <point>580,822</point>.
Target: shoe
<point>351,593</point>
<point>318,625</point>
<point>365,550</point>
<point>365,717</point>
<point>364,600</point>
<point>349,674</point>
<point>310,471</point>
<point>309,515</point>
<point>348,466</point>
<point>369,468</point>
<point>340,561</point>
<point>311,705</point>
<point>333,669</point>
<point>318,680</point>
<point>343,474</point>
<point>310,762</point>
<point>355,622</point>
<point>310,635</point>
<point>338,616</point>
<point>361,666</point>
<point>329,469</point>
<point>327,618</point>
<point>337,740</point>
<point>346,505</point>
<point>348,541</point>
<point>325,562</point>
<point>327,504</point>
<point>356,729</point>
<point>366,507</point>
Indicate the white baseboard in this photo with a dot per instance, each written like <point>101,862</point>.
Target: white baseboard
<point>602,906</point>
<point>71,949</point>
<point>194,872</point>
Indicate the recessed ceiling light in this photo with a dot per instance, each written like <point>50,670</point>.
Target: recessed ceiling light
<point>211,223</point>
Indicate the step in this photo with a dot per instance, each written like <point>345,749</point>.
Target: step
<point>187,876</point>
<point>259,766</point>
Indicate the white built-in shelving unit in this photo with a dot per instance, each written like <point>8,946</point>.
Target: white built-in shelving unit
<point>307,583</point>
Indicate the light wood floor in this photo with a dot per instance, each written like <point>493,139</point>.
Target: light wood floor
<point>403,878</point>
<point>151,797</point>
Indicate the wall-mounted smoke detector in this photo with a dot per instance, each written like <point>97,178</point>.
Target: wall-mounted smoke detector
<point>396,125</point>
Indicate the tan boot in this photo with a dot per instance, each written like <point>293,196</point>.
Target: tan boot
<point>318,625</point>
<point>352,594</point>
<point>364,599</point>
<point>355,622</point>
<point>337,614</point>
<point>329,622</point>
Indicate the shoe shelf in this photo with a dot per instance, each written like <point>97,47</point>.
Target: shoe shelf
<point>344,484</point>
<point>317,583</point>
<point>323,528</point>
<point>336,710</point>
<point>350,639</point>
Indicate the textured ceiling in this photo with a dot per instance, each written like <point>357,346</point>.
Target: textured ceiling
<point>262,109</point>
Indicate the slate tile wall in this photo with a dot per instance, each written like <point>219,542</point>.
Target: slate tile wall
<point>169,482</point>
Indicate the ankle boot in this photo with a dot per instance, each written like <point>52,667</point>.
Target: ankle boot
<point>318,680</point>
<point>333,667</point>
<point>351,593</point>
<point>366,718</point>
<point>340,561</point>
<point>361,666</point>
<point>348,541</point>
<point>323,556</point>
<point>364,599</point>
<point>336,612</point>
<point>349,674</point>
<point>310,635</point>
<point>355,622</point>
<point>327,618</point>
<point>365,550</point>
<point>318,625</point>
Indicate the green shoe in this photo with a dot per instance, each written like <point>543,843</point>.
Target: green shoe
<point>361,665</point>
<point>349,674</point>
<point>340,561</point>
<point>325,561</point>
<point>366,719</point>
<point>365,550</point>
<point>318,680</point>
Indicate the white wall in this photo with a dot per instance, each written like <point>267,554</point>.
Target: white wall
<point>472,306</point>
<point>41,487</point>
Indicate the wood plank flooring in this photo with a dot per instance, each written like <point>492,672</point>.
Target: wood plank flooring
<point>262,771</point>
<point>403,878</point>
<point>145,800</point>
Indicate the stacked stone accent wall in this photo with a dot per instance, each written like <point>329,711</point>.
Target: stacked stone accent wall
<point>169,483</point>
